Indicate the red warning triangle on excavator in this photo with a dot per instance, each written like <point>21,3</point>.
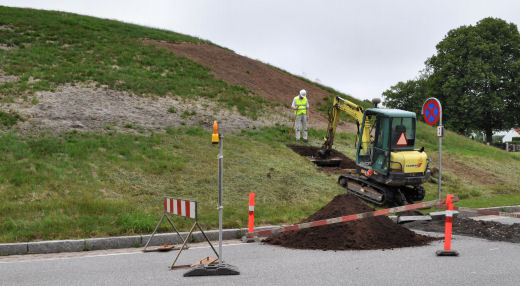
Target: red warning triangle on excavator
<point>402,141</point>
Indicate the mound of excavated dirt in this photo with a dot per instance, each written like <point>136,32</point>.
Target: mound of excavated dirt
<point>311,151</point>
<point>370,233</point>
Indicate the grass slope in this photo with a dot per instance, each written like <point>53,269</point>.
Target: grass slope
<point>472,169</point>
<point>83,185</point>
<point>58,48</point>
<point>86,185</point>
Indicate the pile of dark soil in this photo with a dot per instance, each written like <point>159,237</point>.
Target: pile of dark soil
<point>311,151</point>
<point>489,230</point>
<point>369,233</point>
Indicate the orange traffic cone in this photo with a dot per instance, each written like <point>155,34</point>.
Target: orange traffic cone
<point>447,251</point>
<point>251,226</point>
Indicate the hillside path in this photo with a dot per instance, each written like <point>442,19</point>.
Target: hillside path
<point>264,80</point>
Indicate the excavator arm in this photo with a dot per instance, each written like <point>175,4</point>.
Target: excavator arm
<point>342,105</point>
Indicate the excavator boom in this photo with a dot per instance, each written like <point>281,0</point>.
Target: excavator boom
<point>343,105</point>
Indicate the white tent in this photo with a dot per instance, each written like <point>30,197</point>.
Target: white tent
<point>508,137</point>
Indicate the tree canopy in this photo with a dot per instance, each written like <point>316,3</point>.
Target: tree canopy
<point>476,76</point>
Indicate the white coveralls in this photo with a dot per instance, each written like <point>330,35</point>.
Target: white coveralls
<point>301,121</point>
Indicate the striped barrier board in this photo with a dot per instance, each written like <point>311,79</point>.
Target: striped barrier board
<point>486,212</point>
<point>348,218</point>
<point>185,208</point>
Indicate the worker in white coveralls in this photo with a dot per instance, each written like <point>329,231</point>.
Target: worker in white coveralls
<point>300,105</point>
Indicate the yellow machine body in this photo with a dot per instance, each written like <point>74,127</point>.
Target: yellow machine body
<point>408,162</point>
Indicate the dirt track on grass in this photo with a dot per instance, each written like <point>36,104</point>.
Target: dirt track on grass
<point>264,80</point>
<point>84,107</point>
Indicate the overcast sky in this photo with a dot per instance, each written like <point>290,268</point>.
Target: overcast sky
<point>357,47</point>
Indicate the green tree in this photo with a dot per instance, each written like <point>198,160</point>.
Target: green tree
<point>476,76</point>
<point>408,95</point>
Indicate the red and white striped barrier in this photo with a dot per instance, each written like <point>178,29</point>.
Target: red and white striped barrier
<point>348,218</point>
<point>185,208</point>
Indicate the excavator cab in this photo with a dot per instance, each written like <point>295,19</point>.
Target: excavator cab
<point>389,156</point>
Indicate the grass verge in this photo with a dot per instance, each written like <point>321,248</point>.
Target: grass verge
<point>89,185</point>
<point>92,185</point>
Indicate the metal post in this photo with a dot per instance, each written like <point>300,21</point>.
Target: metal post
<point>183,245</point>
<point>221,268</point>
<point>440,151</point>
<point>220,194</point>
<point>153,233</point>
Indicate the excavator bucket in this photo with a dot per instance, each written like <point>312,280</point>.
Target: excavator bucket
<point>323,158</point>
<point>326,162</point>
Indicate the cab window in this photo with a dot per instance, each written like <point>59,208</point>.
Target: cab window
<point>403,133</point>
<point>381,140</point>
<point>379,156</point>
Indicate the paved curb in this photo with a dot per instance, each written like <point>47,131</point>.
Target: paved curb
<point>509,209</point>
<point>54,246</point>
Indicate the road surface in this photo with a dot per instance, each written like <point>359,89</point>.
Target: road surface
<point>481,262</point>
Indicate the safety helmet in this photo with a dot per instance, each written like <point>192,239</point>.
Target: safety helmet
<point>303,93</point>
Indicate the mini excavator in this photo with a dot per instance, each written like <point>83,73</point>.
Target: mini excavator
<point>389,170</point>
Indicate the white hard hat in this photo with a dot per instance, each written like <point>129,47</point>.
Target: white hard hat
<point>303,93</point>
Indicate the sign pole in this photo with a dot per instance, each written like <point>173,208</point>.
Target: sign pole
<point>220,195</point>
<point>432,112</point>
<point>440,150</point>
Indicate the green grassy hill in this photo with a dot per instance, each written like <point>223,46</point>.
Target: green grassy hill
<point>76,184</point>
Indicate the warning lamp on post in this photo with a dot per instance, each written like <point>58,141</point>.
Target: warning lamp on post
<point>221,268</point>
<point>214,137</point>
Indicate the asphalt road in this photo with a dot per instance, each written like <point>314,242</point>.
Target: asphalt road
<point>481,262</point>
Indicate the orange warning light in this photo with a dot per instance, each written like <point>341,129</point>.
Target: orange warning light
<point>214,137</point>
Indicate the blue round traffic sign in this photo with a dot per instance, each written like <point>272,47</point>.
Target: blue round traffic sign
<point>431,112</point>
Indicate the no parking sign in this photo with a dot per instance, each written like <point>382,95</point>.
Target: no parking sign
<point>431,111</point>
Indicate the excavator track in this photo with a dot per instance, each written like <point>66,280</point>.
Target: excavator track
<point>379,194</point>
<point>367,190</point>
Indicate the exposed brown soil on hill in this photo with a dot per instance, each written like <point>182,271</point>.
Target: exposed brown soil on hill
<point>264,80</point>
<point>369,233</point>
<point>267,81</point>
<point>85,107</point>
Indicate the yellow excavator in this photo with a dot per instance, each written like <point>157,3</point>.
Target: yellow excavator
<point>389,170</point>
